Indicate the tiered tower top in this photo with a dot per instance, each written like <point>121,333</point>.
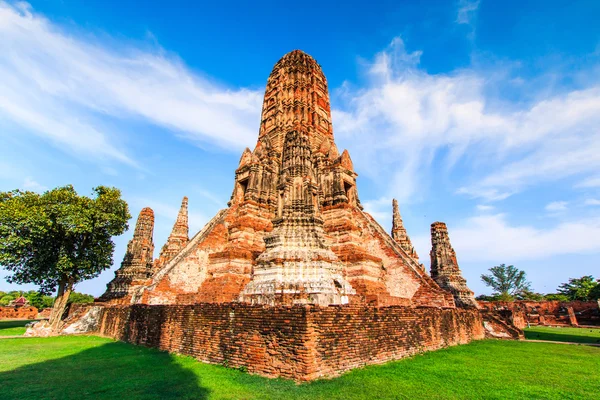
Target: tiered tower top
<point>297,97</point>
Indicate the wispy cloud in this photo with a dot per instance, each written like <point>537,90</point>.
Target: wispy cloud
<point>592,202</point>
<point>556,206</point>
<point>30,184</point>
<point>493,238</point>
<point>405,119</point>
<point>589,182</point>
<point>466,11</point>
<point>62,86</point>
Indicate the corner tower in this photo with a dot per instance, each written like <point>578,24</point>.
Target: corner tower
<point>136,267</point>
<point>444,267</point>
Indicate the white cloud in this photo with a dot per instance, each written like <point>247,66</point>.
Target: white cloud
<point>466,11</point>
<point>484,207</point>
<point>589,182</point>
<point>592,202</point>
<point>61,86</point>
<point>556,206</point>
<point>405,119</point>
<point>492,238</point>
<point>30,184</point>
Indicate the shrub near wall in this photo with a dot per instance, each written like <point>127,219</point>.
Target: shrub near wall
<point>299,342</point>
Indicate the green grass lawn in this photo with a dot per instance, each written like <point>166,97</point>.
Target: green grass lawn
<point>80,367</point>
<point>563,334</point>
<point>13,327</point>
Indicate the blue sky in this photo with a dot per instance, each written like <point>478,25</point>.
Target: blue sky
<point>481,114</point>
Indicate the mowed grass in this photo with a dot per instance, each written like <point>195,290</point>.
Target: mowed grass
<point>88,367</point>
<point>563,334</point>
<point>13,327</point>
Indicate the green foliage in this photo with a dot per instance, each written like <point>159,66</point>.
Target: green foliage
<point>39,300</point>
<point>583,288</point>
<point>59,236</point>
<point>527,294</point>
<point>80,298</point>
<point>7,298</point>
<point>507,281</point>
<point>595,292</point>
<point>556,296</point>
<point>101,368</point>
<point>485,297</point>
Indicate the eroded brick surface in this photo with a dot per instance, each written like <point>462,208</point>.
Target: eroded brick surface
<point>27,312</point>
<point>297,342</point>
<point>571,313</point>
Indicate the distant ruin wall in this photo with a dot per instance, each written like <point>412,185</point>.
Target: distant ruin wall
<point>573,313</point>
<point>18,312</point>
<point>297,342</point>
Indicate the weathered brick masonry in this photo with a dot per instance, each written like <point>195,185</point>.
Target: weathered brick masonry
<point>547,312</point>
<point>18,312</point>
<point>299,342</point>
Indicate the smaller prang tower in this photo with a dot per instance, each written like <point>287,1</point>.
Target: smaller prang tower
<point>444,267</point>
<point>136,267</point>
<point>178,238</point>
<point>399,232</point>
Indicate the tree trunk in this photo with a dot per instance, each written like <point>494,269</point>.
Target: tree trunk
<point>65,287</point>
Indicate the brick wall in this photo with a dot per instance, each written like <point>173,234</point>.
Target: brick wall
<point>299,342</point>
<point>549,312</point>
<point>18,313</point>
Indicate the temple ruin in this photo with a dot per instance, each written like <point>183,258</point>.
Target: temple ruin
<point>293,278</point>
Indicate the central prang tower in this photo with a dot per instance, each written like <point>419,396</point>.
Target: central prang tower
<point>296,146</point>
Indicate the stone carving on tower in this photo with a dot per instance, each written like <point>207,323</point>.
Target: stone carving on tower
<point>444,267</point>
<point>297,266</point>
<point>136,267</point>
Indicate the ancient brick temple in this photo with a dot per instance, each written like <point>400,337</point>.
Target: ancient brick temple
<point>295,231</point>
<point>293,278</point>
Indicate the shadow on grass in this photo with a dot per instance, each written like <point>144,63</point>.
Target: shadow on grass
<point>586,336</point>
<point>109,371</point>
<point>14,327</point>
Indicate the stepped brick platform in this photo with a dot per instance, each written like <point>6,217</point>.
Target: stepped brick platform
<point>301,342</point>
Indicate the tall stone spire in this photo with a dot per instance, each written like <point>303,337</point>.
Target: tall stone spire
<point>297,265</point>
<point>399,232</point>
<point>178,238</point>
<point>137,263</point>
<point>444,267</point>
<point>296,94</point>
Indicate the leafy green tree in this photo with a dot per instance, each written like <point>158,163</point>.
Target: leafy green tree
<point>579,288</point>
<point>7,298</point>
<point>59,238</point>
<point>39,300</point>
<point>556,296</point>
<point>527,294</point>
<point>595,292</point>
<point>80,298</point>
<point>507,281</point>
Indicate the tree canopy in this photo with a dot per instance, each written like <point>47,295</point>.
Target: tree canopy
<point>507,281</point>
<point>59,238</point>
<point>585,288</point>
